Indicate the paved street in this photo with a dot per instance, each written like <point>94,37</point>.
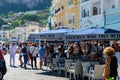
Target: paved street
<point>17,73</point>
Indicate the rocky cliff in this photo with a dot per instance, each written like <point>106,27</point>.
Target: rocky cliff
<point>23,5</point>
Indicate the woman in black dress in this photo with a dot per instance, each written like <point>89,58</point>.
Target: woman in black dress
<point>111,65</point>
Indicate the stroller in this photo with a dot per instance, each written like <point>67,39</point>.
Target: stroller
<point>3,68</point>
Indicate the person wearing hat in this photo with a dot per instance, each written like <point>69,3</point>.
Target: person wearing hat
<point>110,68</point>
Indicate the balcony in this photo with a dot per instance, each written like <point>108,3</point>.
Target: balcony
<point>56,11</point>
<point>96,20</point>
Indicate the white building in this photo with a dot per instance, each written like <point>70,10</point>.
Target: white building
<point>4,35</point>
<point>92,11</point>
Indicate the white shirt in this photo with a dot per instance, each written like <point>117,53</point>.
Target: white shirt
<point>13,49</point>
<point>35,52</point>
<point>31,49</point>
<point>20,50</point>
<point>117,54</point>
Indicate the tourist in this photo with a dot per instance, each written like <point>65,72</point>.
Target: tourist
<point>34,52</point>
<point>42,55</point>
<point>110,68</point>
<point>19,50</point>
<point>12,53</point>
<point>25,54</point>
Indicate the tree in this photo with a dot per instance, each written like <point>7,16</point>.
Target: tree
<point>30,17</point>
<point>1,22</point>
<point>11,13</point>
<point>2,16</point>
<point>15,23</point>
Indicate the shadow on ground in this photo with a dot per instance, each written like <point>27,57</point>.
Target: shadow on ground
<point>50,73</point>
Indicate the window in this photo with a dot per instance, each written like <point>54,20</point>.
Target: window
<point>62,22</point>
<point>62,6</point>
<point>55,24</point>
<point>32,30</point>
<point>99,10</point>
<point>70,2</point>
<point>73,19</point>
<point>113,6</point>
<point>95,11</point>
<point>85,13</point>
<point>59,23</point>
<point>74,1</point>
<point>70,21</point>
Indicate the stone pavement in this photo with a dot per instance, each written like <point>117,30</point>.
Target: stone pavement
<point>18,73</point>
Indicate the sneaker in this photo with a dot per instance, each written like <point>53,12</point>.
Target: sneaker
<point>25,67</point>
<point>11,66</point>
<point>21,65</point>
<point>35,67</point>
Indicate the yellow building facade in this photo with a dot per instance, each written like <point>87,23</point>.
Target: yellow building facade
<point>67,13</point>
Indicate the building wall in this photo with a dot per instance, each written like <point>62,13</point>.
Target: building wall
<point>65,12</point>
<point>72,13</point>
<point>92,11</point>
<point>31,29</point>
<point>85,12</point>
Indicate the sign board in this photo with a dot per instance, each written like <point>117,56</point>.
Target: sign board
<point>92,37</point>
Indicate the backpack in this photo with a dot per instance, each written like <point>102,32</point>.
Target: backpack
<point>24,50</point>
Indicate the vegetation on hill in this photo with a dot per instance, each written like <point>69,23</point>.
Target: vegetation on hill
<point>21,6</point>
<point>16,21</point>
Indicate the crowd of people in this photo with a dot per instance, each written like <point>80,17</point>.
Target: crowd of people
<point>28,53</point>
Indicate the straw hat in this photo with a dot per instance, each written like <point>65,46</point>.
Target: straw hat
<point>109,51</point>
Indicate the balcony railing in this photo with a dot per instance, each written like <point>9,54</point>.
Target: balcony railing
<point>56,11</point>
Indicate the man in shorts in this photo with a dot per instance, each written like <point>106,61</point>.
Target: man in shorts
<point>42,55</point>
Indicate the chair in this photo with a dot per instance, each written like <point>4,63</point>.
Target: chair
<point>48,62</point>
<point>85,66</point>
<point>118,77</point>
<point>67,66</point>
<point>61,65</point>
<point>77,71</point>
<point>97,73</point>
<point>54,63</point>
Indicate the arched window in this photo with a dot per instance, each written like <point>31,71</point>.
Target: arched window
<point>95,11</point>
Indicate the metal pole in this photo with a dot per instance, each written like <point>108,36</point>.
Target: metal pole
<point>104,14</point>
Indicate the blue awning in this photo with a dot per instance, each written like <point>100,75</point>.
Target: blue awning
<point>52,34</point>
<point>111,31</point>
<point>56,31</point>
<point>92,30</point>
<point>114,27</point>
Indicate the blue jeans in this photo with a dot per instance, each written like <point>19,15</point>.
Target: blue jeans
<point>25,59</point>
